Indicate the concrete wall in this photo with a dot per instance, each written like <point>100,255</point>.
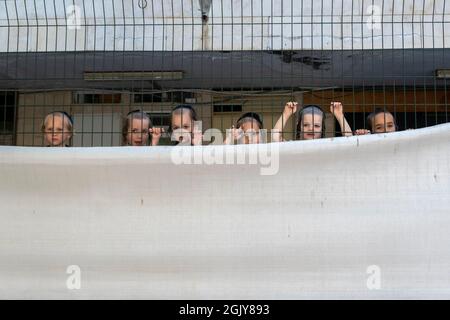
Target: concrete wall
<point>47,25</point>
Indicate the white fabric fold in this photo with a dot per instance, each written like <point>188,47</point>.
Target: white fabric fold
<point>361,217</point>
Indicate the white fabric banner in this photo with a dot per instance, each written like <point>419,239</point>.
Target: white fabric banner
<point>361,217</point>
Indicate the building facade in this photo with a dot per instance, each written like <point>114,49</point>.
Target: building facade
<point>100,59</point>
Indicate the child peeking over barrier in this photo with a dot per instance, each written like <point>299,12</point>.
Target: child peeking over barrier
<point>379,121</point>
<point>185,128</point>
<point>247,130</point>
<point>57,129</point>
<point>311,123</point>
<point>138,128</point>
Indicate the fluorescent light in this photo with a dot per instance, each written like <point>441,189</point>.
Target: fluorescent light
<point>443,73</point>
<point>144,75</point>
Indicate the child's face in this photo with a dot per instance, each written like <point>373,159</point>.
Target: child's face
<point>57,130</point>
<point>383,122</point>
<point>311,127</point>
<point>182,124</point>
<point>251,130</point>
<point>138,132</point>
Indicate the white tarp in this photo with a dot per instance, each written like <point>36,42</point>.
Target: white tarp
<point>360,217</point>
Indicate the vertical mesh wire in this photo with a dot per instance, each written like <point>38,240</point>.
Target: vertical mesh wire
<point>99,60</point>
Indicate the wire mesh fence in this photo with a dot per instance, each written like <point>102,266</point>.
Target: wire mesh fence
<point>384,64</point>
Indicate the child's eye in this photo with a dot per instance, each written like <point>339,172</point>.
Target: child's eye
<point>136,131</point>
<point>57,130</point>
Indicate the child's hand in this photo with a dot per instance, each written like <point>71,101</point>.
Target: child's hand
<point>156,132</point>
<point>156,135</point>
<point>337,109</point>
<point>197,137</point>
<point>290,108</point>
<point>236,135</point>
<point>362,132</point>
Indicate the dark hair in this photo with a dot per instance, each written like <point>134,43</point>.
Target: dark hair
<point>135,114</point>
<point>377,111</point>
<point>310,109</point>
<point>191,110</point>
<point>179,109</point>
<point>250,116</point>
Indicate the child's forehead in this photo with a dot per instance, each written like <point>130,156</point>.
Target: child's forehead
<point>312,116</point>
<point>140,121</point>
<point>183,116</point>
<point>56,118</point>
<point>251,123</point>
<point>384,115</point>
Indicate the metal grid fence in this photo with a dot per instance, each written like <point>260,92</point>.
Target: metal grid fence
<point>99,60</point>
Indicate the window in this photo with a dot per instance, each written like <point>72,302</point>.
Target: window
<point>220,108</point>
<point>7,117</point>
<point>97,98</point>
<point>170,96</point>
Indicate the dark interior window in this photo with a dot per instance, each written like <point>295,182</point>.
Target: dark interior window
<point>405,120</point>
<point>7,112</point>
